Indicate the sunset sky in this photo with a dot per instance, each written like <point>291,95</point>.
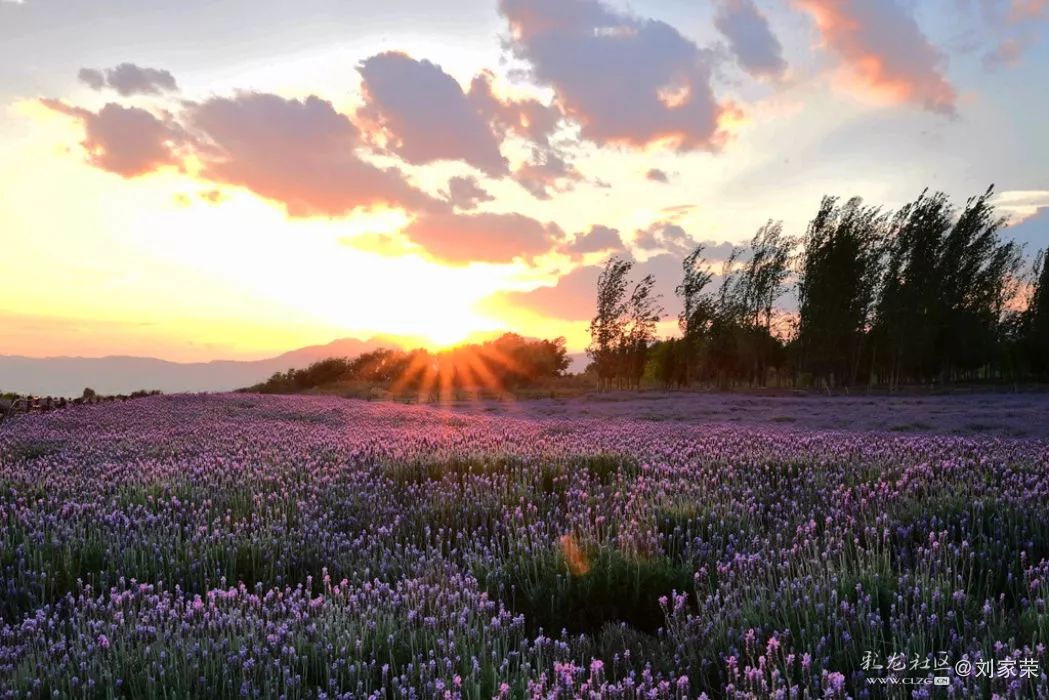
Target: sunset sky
<point>235,178</point>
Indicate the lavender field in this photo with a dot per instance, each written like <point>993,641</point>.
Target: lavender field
<point>293,547</point>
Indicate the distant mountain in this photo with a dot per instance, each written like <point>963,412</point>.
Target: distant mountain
<point>68,376</point>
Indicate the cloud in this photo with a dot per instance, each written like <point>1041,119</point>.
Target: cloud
<point>494,238</point>
<point>385,244</point>
<point>1032,232</point>
<point>94,79</point>
<point>597,240</point>
<point>657,175</point>
<point>668,237</point>
<point>528,119</point>
<point>884,48</point>
<point>423,115</point>
<point>301,153</point>
<point>1020,205</point>
<point>465,193</point>
<point>1007,53</point>
<point>1016,27</point>
<point>625,79</point>
<point>572,297</point>
<point>128,79</point>
<point>756,48</point>
<point>127,141</point>
<point>1024,10</point>
<point>665,236</point>
<point>546,172</point>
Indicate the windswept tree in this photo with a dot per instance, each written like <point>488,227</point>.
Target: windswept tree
<point>907,313</point>
<point>977,276</point>
<point>837,286</point>
<point>643,314</point>
<point>608,327</point>
<point>948,279</point>
<point>761,281</point>
<point>1036,330</point>
<point>721,351</point>
<point>697,311</point>
<point>764,277</point>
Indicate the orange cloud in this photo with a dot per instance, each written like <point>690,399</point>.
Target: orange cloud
<point>885,51</point>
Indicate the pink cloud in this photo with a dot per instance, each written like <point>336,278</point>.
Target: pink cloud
<point>528,119</point>
<point>465,193</point>
<point>885,50</point>
<point>1023,10</point>
<point>573,295</point>
<point>598,239</point>
<point>127,141</point>
<point>423,114</point>
<point>495,238</point>
<point>1016,24</point>
<point>301,153</point>
<point>545,173</point>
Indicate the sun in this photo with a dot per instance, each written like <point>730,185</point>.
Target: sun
<point>445,336</point>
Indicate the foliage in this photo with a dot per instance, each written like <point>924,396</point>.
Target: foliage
<point>931,294</point>
<point>624,326</point>
<point>502,364</point>
<point>837,287</point>
<point>262,546</point>
<point>1036,318</point>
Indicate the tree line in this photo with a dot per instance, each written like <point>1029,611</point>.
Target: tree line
<point>931,293</point>
<point>505,363</point>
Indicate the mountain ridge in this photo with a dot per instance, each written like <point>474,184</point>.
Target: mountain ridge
<point>69,375</point>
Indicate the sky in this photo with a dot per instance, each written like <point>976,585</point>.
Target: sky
<point>236,178</point>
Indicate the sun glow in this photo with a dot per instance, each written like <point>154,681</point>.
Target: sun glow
<point>245,242</point>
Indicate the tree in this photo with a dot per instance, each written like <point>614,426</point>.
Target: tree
<point>908,310</point>
<point>838,280</point>
<point>644,312</point>
<point>760,283</point>
<point>608,326</point>
<point>949,277</point>
<point>697,309</point>
<point>1037,319</point>
<point>666,363</point>
<point>764,277</point>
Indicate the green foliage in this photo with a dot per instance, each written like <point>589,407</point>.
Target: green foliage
<point>611,587</point>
